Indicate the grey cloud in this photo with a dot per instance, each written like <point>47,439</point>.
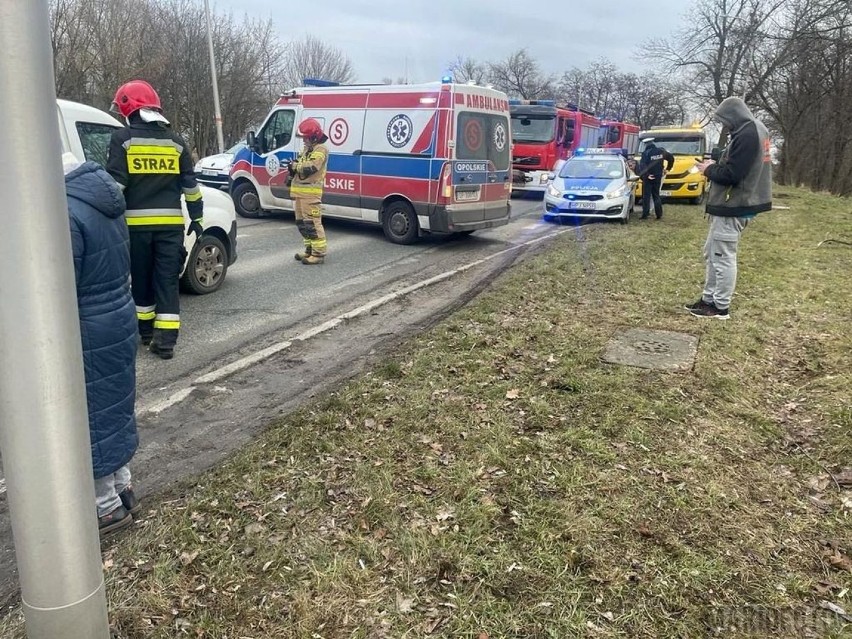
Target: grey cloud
<point>380,35</point>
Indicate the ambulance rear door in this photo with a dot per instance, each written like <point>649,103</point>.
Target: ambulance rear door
<point>482,163</point>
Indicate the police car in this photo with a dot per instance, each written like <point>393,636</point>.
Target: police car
<point>593,183</point>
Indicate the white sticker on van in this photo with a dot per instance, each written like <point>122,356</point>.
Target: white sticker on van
<point>273,165</point>
<point>400,130</point>
<point>500,137</point>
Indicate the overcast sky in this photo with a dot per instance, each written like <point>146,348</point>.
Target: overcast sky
<point>380,35</point>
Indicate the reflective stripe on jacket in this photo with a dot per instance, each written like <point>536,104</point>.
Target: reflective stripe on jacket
<point>310,169</point>
<point>153,166</point>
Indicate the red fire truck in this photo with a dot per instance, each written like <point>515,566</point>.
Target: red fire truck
<point>543,134</point>
<point>619,135</point>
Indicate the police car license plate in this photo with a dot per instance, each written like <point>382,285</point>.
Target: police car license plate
<point>582,205</point>
<point>467,196</point>
<point>209,172</point>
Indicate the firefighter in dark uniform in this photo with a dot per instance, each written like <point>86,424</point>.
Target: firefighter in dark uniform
<point>153,166</point>
<point>651,171</point>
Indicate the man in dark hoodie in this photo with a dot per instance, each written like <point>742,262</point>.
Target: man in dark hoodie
<point>651,171</point>
<point>741,187</point>
<point>153,166</point>
<point>99,242</point>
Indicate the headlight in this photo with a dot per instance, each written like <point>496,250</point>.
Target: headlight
<point>553,191</point>
<point>197,168</point>
<point>620,192</point>
<point>694,170</point>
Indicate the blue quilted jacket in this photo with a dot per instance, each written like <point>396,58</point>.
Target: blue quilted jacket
<point>107,313</point>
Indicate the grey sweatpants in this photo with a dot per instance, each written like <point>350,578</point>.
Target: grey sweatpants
<point>108,489</point>
<point>720,258</point>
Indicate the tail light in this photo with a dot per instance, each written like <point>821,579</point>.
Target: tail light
<point>447,181</point>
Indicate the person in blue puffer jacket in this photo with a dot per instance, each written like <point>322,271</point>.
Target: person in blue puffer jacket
<point>101,248</point>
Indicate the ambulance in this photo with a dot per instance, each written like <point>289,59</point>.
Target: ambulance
<point>414,159</point>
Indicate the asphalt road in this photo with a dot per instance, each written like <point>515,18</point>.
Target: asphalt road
<point>267,290</point>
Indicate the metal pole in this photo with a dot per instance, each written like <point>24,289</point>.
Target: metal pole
<point>44,431</point>
<point>218,111</point>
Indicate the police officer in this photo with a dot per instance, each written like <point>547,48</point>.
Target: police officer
<point>650,169</point>
<point>153,166</point>
<point>308,178</point>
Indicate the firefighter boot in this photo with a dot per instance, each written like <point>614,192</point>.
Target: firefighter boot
<point>300,257</point>
<point>163,344</point>
<point>313,259</point>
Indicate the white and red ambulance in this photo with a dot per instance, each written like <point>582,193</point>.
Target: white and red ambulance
<point>428,158</point>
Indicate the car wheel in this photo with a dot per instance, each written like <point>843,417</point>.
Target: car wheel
<point>700,198</point>
<point>207,266</point>
<point>400,223</point>
<point>246,200</point>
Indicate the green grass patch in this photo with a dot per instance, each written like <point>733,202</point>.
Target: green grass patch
<point>495,479</point>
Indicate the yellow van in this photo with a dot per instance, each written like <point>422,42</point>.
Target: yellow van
<point>688,145</point>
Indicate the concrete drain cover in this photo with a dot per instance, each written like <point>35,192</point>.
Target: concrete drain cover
<point>645,348</point>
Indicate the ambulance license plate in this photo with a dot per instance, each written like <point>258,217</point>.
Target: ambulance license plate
<point>582,205</point>
<point>209,172</point>
<point>467,196</point>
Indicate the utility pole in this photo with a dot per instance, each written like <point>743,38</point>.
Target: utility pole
<point>216,107</point>
<point>44,430</point>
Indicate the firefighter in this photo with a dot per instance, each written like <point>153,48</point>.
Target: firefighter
<point>153,166</point>
<point>308,178</point>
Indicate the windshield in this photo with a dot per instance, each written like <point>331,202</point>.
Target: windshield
<point>234,149</point>
<point>591,169</point>
<point>533,128</point>
<point>677,146</point>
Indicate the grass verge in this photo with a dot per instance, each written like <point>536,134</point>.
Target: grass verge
<point>495,479</point>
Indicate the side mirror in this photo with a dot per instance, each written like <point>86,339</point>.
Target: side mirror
<point>633,178</point>
<point>716,154</point>
<point>251,141</point>
<point>551,177</point>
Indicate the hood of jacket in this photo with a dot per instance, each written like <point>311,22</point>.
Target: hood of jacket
<point>92,185</point>
<point>733,113</point>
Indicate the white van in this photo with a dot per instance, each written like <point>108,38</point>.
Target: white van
<point>86,132</point>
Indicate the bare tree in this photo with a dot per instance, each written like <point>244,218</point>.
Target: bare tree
<point>468,70</point>
<point>99,45</point>
<point>519,76</point>
<point>310,57</point>
<point>720,46</point>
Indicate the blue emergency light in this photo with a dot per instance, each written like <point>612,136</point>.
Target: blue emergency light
<point>447,79</point>
<point>600,151</point>
<point>317,82</point>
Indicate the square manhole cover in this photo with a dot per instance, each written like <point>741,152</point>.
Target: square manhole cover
<point>646,348</point>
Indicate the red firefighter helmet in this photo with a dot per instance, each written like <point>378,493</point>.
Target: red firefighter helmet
<point>311,130</point>
<point>135,95</point>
